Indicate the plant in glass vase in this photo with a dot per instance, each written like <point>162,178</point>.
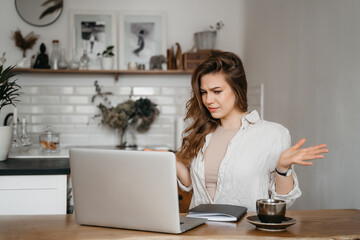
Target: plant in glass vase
<point>135,116</point>
<point>9,93</point>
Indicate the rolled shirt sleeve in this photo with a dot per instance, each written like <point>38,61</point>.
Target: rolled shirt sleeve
<point>183,187</point>
<point>289,198</point>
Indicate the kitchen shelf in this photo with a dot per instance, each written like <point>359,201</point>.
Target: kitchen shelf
<point>116,73</point>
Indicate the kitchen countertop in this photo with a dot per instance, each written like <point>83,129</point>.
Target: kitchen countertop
<point>35,153</point>
<point>34,162</point>
<point>34,166</point>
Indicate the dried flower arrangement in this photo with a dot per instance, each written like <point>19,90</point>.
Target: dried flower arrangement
<point>24,43</point>
<point>140,113</point>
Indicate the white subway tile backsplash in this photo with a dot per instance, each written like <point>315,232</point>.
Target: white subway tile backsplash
<point>157,129</point>
<point>28,109</point>
<point>75,119</point>
<point>181,110</point>
<point>85,90</point>
<point>90,128</point>
<point>117,90</point>
<point>155,140</point>
<point>38,128</point>
<point>146,90</point>
<point>57,109</point>
<point>87,110</point>
<point>168,110</point>
<point>123,91</point>
<point>45,99</point>
<point>162,120</point>
<point>181,100</point>
<point>88,139</point>
<point>30,90</point>
<point>24,98</point>
<point>175,91</point>
<point>75,100</point>
<point>59,90</point>
<point>46,119</point>
<point>162,100</point>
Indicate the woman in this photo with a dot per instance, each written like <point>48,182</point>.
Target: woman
<point>230,155</point>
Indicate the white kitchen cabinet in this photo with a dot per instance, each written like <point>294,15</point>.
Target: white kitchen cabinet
<point>33,194</point>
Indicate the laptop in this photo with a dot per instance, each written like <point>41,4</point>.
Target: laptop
<point>127,189</point>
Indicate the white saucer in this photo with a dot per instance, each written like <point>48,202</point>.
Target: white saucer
<point>271,227</point>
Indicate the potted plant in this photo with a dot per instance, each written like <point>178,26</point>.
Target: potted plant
<point>129,116</point>
<point>9,92</point>
<point>206,40</point>
<point>107,58</point>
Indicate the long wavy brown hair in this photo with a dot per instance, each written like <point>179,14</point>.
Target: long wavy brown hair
<point>202,123</point>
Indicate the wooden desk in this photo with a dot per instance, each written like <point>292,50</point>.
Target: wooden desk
<point>319,224</point>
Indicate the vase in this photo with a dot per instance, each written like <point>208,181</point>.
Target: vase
<point>131,136</point>
<point>23,63</point>
<point>107,63</point>
<point>127,137</point>
<point>121,136</point>
<point>5,141</point>
<point>205,40</point>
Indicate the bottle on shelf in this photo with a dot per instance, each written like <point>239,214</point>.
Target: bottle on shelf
<point>55,55</point>
<point>63,64</point>
<point>73,64</point>
<point>24,137</point>
<point>84,60</point>
<point>16,142</point>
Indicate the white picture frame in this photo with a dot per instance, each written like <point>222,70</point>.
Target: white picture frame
<point>141,36</point>
<point>93,30</point>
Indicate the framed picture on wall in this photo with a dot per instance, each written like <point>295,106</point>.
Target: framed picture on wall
<point>92,31</point>
<point>141,36</point>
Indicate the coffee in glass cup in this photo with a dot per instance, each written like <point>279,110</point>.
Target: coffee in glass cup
<point>271,210</point>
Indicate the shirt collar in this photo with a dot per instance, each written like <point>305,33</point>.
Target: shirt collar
<point>252,117</point>
<point>249,118</point>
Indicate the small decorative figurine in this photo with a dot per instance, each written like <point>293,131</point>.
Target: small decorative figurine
<point>157,61</point>
<point>42,60</point>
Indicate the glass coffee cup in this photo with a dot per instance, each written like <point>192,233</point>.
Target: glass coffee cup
<point>271,210</point>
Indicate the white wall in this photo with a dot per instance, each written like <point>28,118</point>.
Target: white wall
<point>307,53</point>
<point>64,100</point>
<point>183,19</point>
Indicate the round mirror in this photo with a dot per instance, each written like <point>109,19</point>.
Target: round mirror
<point>39,12</point>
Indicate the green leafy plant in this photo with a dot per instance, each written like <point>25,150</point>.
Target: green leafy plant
<point>218,26</point>
<point>108,52</point>
<point>9,90</point>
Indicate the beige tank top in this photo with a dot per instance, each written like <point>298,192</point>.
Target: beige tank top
<point>214,154</point>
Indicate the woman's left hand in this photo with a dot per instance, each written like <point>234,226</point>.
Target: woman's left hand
<point>295,155</point>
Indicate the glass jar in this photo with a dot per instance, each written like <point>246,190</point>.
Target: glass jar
<point>49,140</point>
<point>55,55</point>
<point>84,60</point>
<point>73,64</point>
<point>63,64</point>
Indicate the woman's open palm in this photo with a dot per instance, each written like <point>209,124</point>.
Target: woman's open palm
<point>295,155</point>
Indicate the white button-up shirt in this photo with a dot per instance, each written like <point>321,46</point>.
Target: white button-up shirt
<point>247,171</point>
